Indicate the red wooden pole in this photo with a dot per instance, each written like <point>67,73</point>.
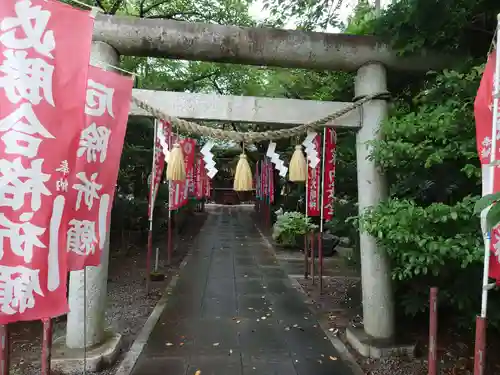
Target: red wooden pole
<point>169,238</point>
<point>433,328</point>
<point>46,346</point>
<point>148,256</point>
<point>320,249</point>
<point>4,350</point>
<point>306,261</point>
<point>480,349</point>
<point>312,256</point>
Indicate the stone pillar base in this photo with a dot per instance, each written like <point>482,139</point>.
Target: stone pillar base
<point>99,357</point>
<point>371,347</point>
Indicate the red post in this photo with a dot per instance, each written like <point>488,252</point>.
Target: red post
<point>433,327</point>
<point>169,239</point>
<point>306,261</point>
<point>480,349</point>
<point>46,346</point>
<point>4,350</point>
<point>320,250</point>
<point>148,256</point>
<point>312,256</point>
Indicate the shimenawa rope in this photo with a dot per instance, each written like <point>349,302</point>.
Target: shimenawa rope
<point>248,137</point>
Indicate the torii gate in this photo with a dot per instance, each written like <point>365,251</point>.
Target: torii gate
<point>114,36</point>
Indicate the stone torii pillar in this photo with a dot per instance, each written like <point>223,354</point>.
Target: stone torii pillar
<point>89,336</point>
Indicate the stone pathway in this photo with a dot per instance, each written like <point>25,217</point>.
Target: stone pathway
<point>233,311</point>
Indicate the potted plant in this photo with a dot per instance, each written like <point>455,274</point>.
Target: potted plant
<point>290,227</point>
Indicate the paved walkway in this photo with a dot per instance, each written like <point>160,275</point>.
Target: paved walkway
<point>233,311</point>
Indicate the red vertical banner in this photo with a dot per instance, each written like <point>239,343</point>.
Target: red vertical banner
<point>207,187</point>
<point>271,181</point>
<point>199,168</point>
<point>176,188</point>
<point>263,179</point>
<point>158,164</point>
<point>188,148</point>
<point>483,113</point>
<point>93,179</point>
<point>313,183</point>
<point>43,80</point>
<point>329,173</point>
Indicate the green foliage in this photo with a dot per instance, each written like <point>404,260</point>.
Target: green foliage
<point>493,214</point>
<point>291,225</point>
<point>422,240</point>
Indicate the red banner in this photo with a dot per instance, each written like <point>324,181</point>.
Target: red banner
<point>263,179</point>
<point>43,79</point>
<point>207,186</point>
<point>188,149</point>
<point>329,174</point>
<point>93,180</point>
<point>313,184</point>
<point>198,178</point>
<point>483,113</point>
<point>179,189</point>
<point>163,130</point>
<point>270,174</point>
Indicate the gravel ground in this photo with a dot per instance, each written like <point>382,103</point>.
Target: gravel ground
<point>128,305</point>
<point>341,305</point>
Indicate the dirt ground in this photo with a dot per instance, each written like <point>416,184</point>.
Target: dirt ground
<point>341,305</point>
<point>128,304</point>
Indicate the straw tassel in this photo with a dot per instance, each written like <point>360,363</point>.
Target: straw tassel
<point>298,166</point>
<point>176,170</point>
<point>243,175</point>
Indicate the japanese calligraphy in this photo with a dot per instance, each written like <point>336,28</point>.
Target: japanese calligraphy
<point>82,237</point>
<point>87,189</point>
<point>18,286</point>
<point>93,140</point>
<point>32,21</point>
<point>99,99</point>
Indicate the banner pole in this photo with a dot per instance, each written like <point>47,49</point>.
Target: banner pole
<point>151,210</point>
<point>169,219</point>
<point>306,242</point>
<point>46,346</point>
<point>479,352</point>
<point>4,349</point>
<point>322,213</point>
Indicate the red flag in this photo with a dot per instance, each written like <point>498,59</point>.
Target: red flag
<point>313,183</point>
<point>188,148</point>
<point>93,179</point>
<point>43,80</point>
<point>263,179</point>
<point>158,164</point>
<point>329,173</point>
<point>270,173</point>
<point>483,113</point>
<point>179,189</point>
<point>198,178</point>
<point>208,186</point>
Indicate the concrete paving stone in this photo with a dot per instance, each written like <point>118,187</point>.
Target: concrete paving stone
<point>215,365</point>
<point>170,366</point>
<point>250,286</point>
<point>279,286</point>
<point>268,366</point>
